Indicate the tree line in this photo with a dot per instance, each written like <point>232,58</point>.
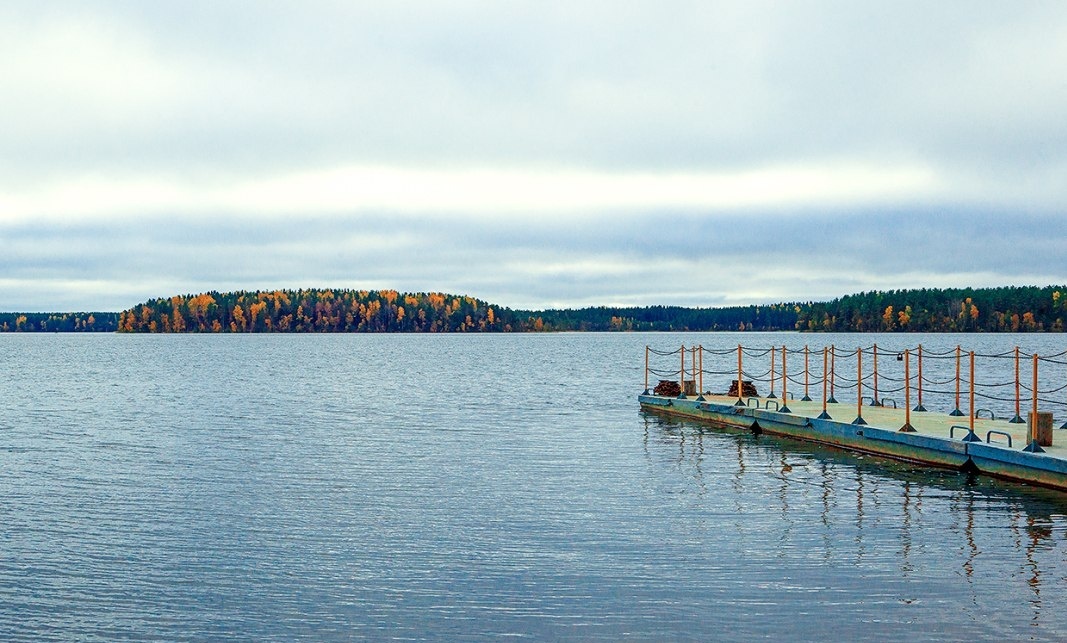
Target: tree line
<point>1004,309</point>
<point>671,318</point>
<point>389,311</point>
<point>58,322</point>
<point>317,310</point>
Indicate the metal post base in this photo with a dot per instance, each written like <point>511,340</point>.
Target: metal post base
<point>1017,420</point>
<point>907,428</point>
<point>1033,447</point>
<point>859,422</point>
<point>739,402</point>
<point>772,396</point>
<point>831,400</point>
<point>971,437</point>
<point>805,399</point>
<point>824,416</point>
<point>784,409</point>
<point>956,413</point>
<point>919,409</point>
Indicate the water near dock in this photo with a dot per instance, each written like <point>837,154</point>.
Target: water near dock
<point>477,487</point>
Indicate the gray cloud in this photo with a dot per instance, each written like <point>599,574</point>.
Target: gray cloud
<point>645,85</point>
<point>217,93</point>
<point>660,258</point>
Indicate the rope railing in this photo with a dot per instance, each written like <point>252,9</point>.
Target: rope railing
<point>946,379</point>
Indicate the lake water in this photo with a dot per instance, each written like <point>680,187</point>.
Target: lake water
<point>452,487</point>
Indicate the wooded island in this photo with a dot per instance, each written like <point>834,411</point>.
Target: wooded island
<point>1004,309</point>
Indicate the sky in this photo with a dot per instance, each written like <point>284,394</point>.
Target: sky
<point>531,154</point>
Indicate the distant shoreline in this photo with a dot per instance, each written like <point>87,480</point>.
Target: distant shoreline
<point>982,310</point>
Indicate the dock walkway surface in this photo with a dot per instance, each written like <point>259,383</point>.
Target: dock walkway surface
<point>934,442</point>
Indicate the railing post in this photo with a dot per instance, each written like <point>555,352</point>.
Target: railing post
<point>693,360</point>
<point>971,422</point>
<point>700,374</point>
<point>740,388</point>
<point>1018,419</point>
<point>1033,447</point>
<point>833,368</point>
<point>875,396</point>
<point>956,412</point>
<point>681,376</point>
<point>825,359</point>
<point>919,408</point>
<point>806,398</point>
<point>859,388</point>
<point>1035,383</point>
<point>1064,426</point>
<point>785,376</point>
<point>646,370</point>
<point>771,395</point>
<point>907,428</point>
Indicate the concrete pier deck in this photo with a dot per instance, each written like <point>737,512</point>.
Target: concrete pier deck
<point>934,442</point>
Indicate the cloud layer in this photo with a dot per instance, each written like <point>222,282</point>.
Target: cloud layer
<point>532,154</point>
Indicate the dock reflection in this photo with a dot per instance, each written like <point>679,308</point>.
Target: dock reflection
<point>999,540</point>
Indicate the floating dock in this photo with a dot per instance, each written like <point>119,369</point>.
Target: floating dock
<point>1006,449</point>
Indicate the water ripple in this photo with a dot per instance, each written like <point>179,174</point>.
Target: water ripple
<point>466,488</point>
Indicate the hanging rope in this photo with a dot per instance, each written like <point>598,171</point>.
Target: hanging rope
<point>935,381</point>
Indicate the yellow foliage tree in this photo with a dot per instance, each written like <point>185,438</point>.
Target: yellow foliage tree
<point>238,322</point>
<point>254,311</point>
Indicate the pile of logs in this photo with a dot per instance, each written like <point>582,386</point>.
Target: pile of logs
<point>667,388</point>
<point>748,388</point>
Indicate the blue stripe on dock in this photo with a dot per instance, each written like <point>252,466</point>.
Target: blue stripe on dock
<point>991,459</point>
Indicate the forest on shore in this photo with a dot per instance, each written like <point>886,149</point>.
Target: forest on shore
<point>1004,309</point>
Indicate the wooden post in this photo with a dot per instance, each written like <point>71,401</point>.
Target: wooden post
<point>771,395</point>
<point>875,398</point>
<point>700,374</point>
<point>646,369</point>
<point>785,375</point>
<point>907,428</point>
<point>833,367</point>
<point>825,360</point>
<point>1018,419</point>
<point>1040,424</point>
<point>972,392</point>
<point>1041,428</point>
<point>1035,383</point>
<point>919,407</point>
<point>693,356</point>
<point>1064,425</point>
<point>807,378</point>
<point>859,388</point>
<point>956,412</point>
<point>740,389</point>
<point>681,375</point>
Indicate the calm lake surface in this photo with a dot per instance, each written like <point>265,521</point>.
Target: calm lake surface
<point>451,487</point>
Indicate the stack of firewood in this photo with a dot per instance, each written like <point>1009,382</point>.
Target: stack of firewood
<point>667,388</point>
<point>748,388</point>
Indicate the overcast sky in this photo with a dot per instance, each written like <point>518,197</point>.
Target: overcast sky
<point>532,154</point>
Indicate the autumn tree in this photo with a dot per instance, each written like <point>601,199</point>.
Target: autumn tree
<point>238,322</point>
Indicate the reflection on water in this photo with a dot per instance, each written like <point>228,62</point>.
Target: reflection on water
<point>940,539</point>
